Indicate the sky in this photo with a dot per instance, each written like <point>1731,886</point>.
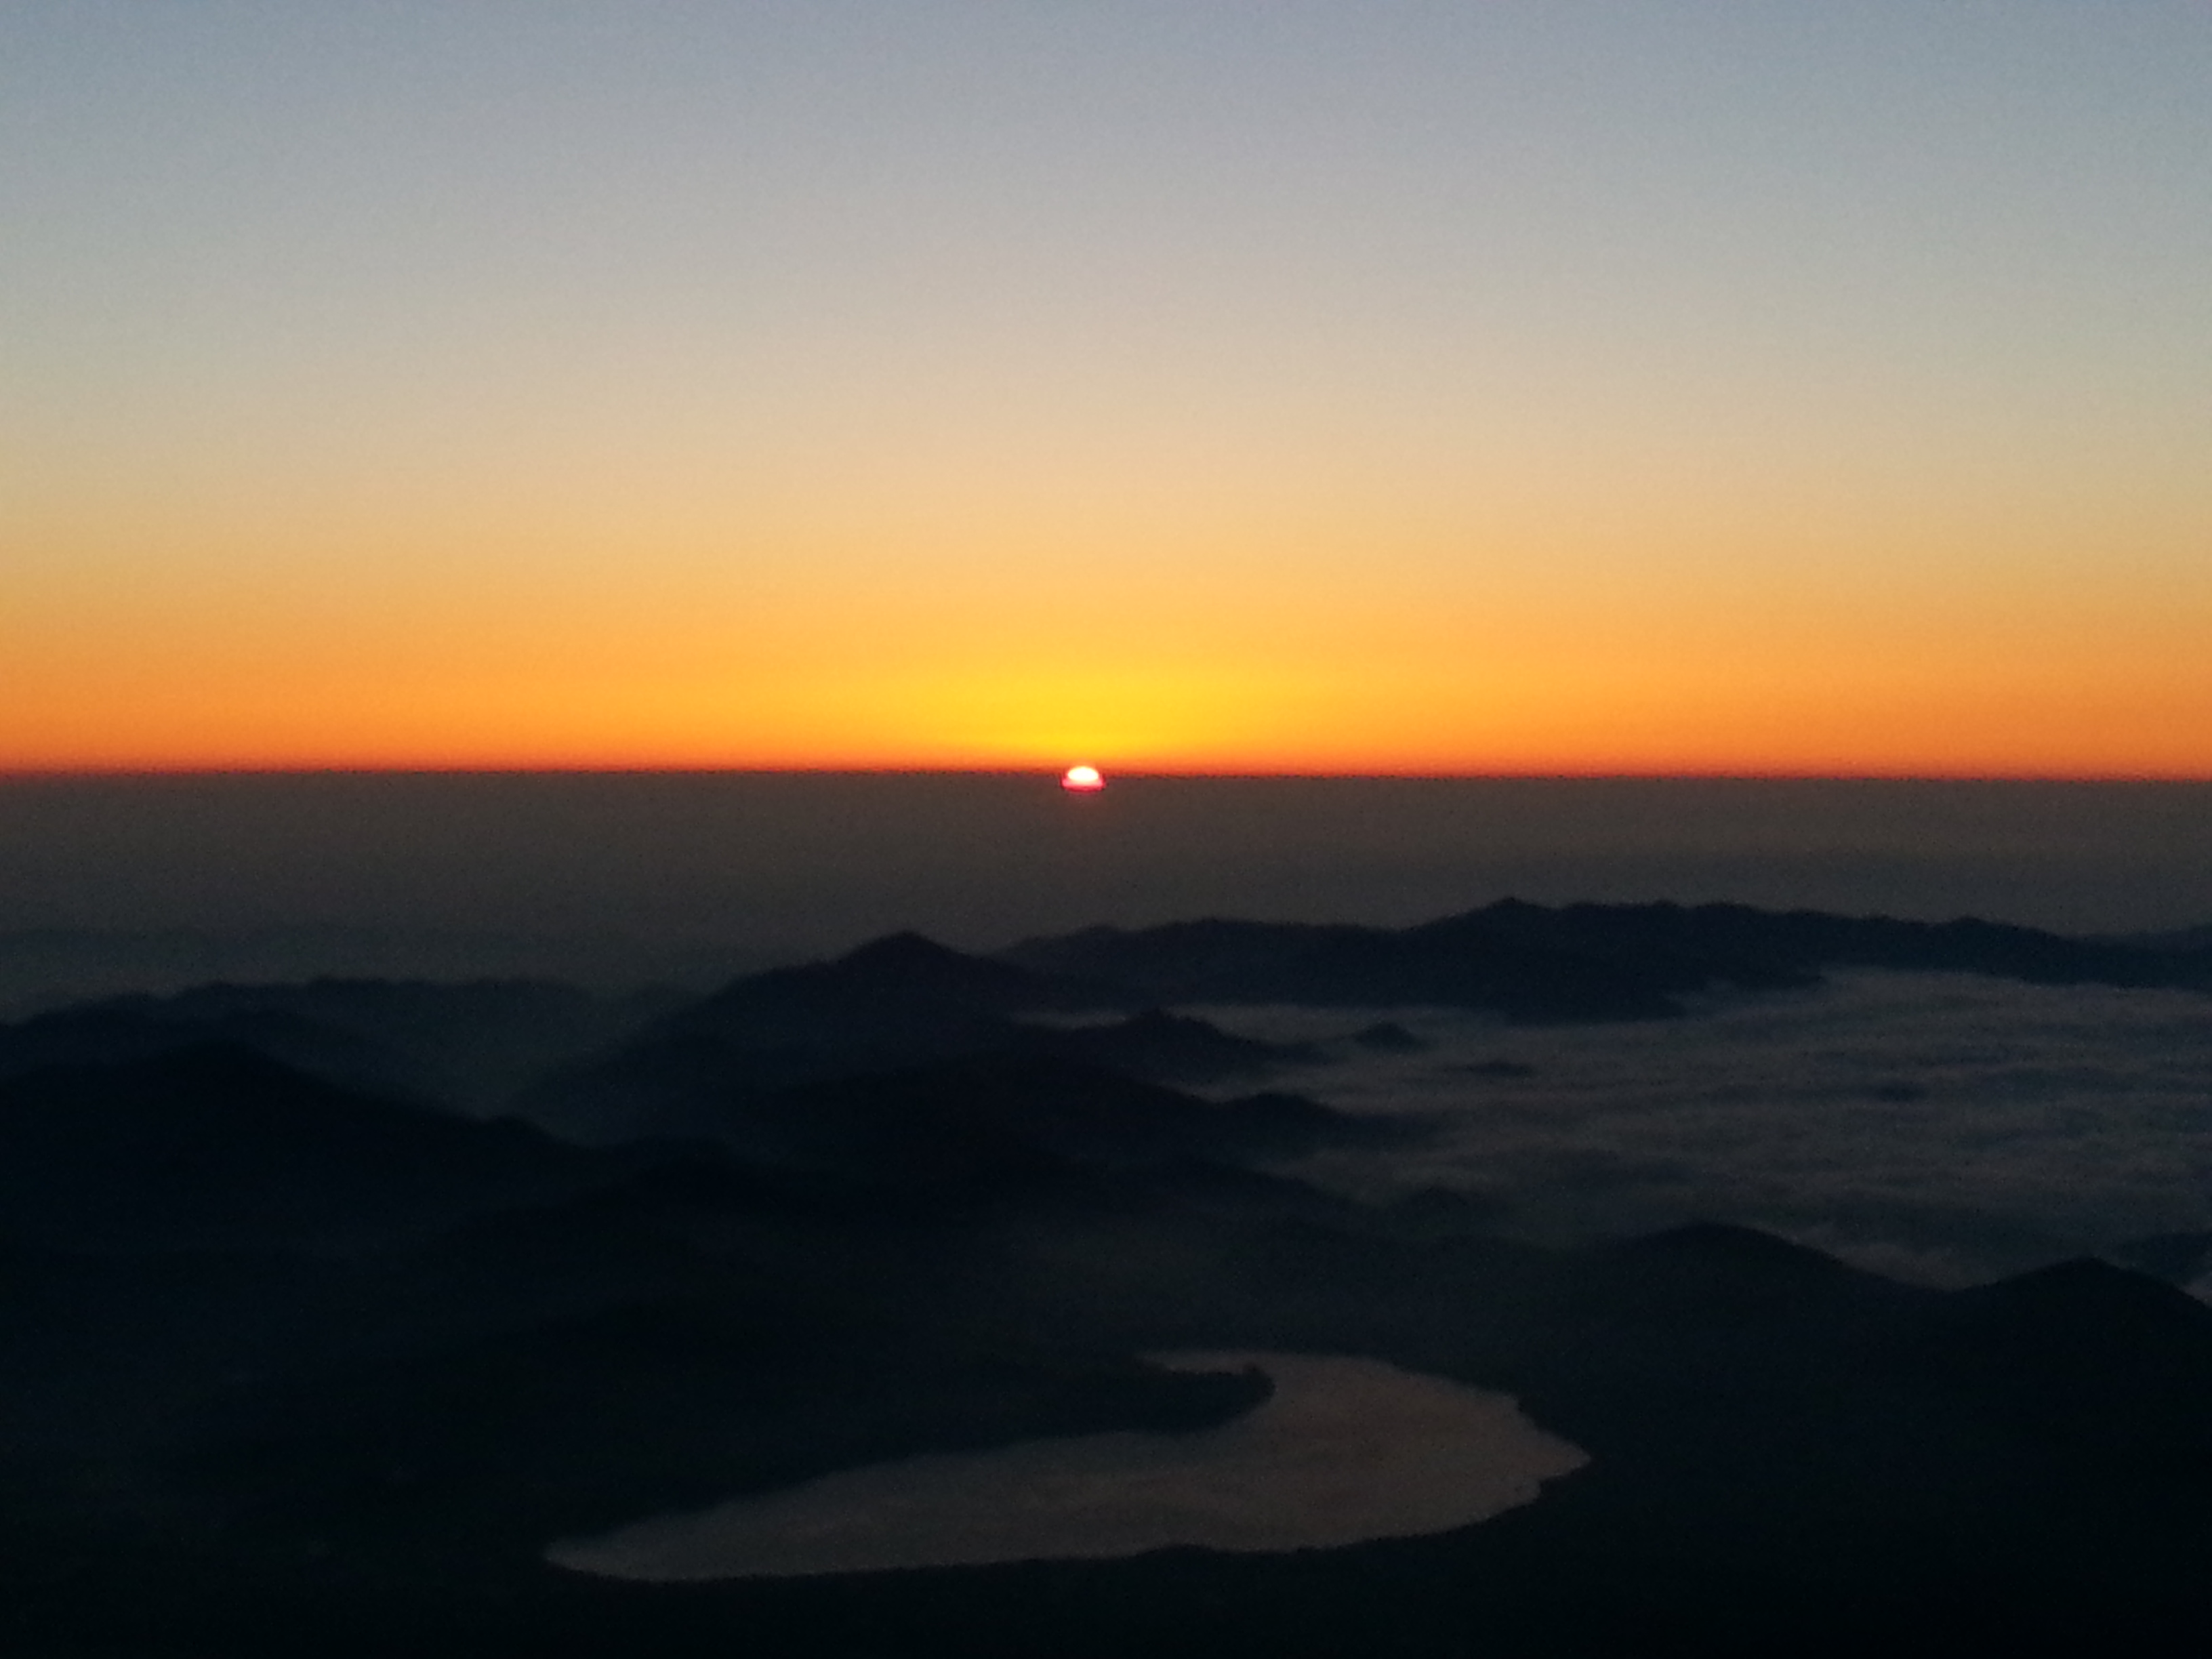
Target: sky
<point>1587,387</point>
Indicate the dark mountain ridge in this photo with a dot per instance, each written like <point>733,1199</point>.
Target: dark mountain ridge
<point>904,1000</point>
<point>216,1145</point>
<point>771,1054</point>
<point>1166,1047</point>
<point>1580,962</point>
<point>468,1046</point>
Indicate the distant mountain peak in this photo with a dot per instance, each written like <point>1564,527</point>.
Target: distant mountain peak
<point>903,951</point>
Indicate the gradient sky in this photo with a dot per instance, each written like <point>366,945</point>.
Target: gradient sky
<point>1557,387</point>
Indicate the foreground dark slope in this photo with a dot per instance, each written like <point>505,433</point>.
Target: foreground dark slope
<point>1788,1454</point>
<point>287,1367</point>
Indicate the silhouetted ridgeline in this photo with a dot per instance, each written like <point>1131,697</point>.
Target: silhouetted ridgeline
<point>326,1308</point>
<point>1580,962</point>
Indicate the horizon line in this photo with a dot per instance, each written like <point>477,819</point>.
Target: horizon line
<point>1139,774</point>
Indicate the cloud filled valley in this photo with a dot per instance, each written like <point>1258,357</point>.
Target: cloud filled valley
<point>1944,1127</point>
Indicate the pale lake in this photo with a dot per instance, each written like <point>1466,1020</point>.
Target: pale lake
<point>1345,1450</point>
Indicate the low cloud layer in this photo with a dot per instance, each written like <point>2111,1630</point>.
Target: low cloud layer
<point>1941,1127</point>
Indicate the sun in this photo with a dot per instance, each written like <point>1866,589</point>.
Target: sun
<point>1082,779</point>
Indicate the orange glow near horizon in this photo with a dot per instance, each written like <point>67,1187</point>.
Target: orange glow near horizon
<point>1799,736</point>
<point>1330,618</point>
<point>1736,671</point>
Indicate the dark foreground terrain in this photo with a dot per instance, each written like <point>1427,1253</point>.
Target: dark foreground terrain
<point>325,1309</point>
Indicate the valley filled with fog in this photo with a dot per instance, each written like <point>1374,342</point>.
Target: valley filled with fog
<point>1945,1128</point>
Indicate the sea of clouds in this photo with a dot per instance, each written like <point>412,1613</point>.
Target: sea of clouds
<point>1944,1128</point>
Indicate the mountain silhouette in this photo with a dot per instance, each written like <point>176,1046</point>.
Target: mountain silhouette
<point>892,1006</point>
<point>467,1046</point>
<point>217,1146</point>
<point>1245,962</point>
<point>1581,962</point>
<point>1166,1047</point>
